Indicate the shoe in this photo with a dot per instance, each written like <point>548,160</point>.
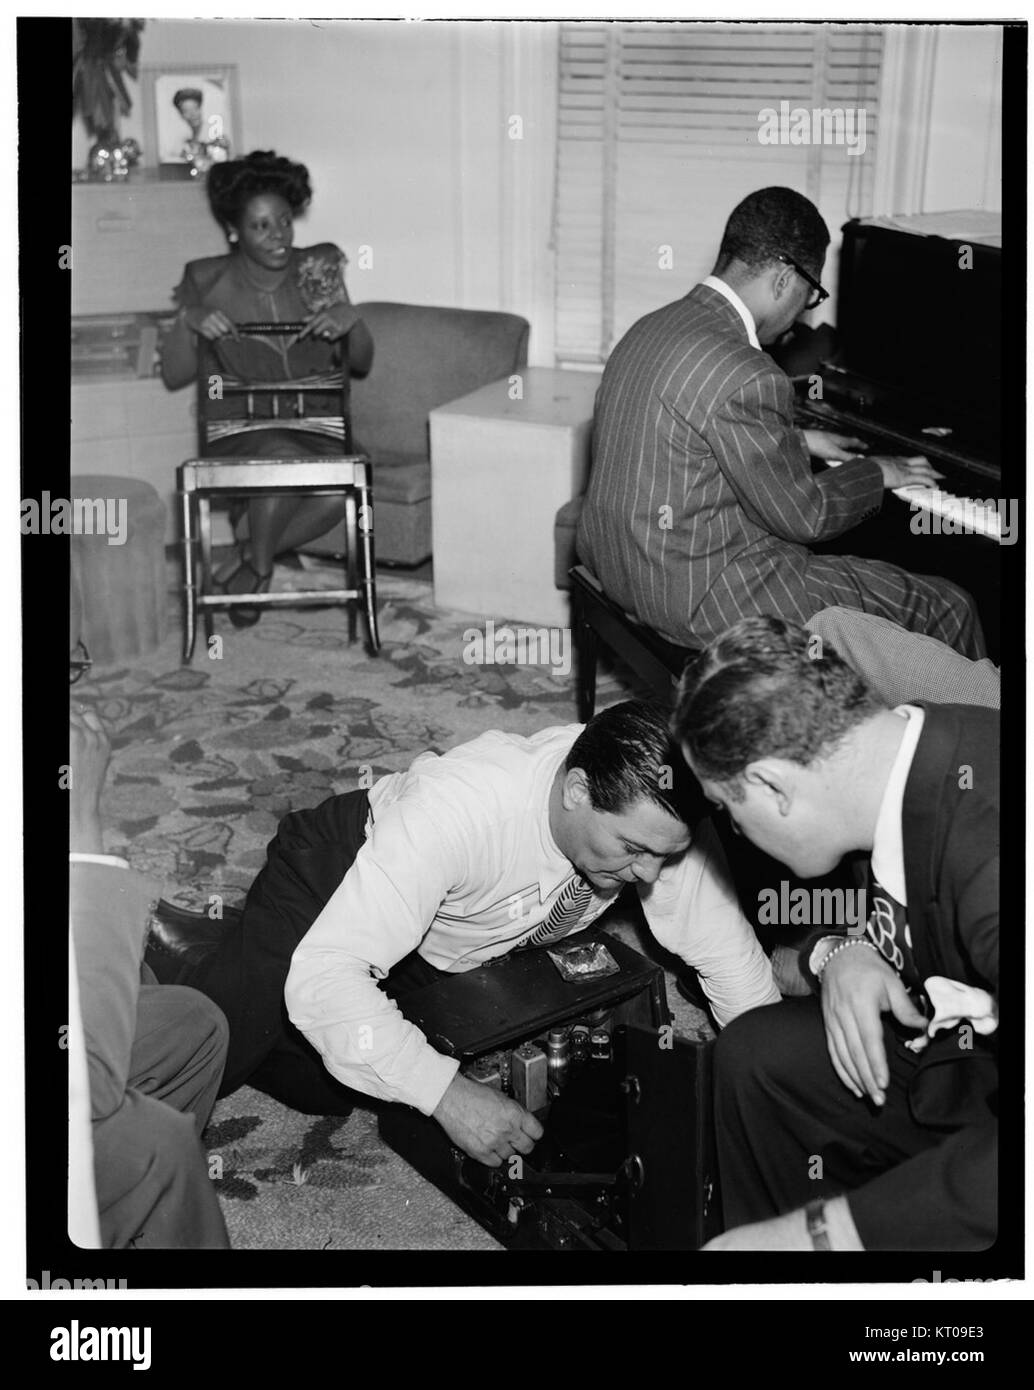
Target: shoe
<point>186,937</point>
<point>240,614</point>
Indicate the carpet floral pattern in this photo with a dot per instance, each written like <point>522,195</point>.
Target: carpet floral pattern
<point>206,761</point>
<point>209,757</point>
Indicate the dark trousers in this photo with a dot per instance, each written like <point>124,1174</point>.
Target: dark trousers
<point>788,1130</point>
<point>306,862</point>
<point>153,1188</point>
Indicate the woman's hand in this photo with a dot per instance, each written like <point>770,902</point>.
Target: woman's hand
<point>331,324</point>
<point>212,324</point>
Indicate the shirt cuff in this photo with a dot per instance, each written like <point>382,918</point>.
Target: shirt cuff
<point>819,952</point>
<point>429,1080</point>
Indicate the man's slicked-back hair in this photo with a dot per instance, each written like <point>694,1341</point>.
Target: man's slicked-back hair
<point>627,753</point>
<point>770,223</point>
<point>767,689</point>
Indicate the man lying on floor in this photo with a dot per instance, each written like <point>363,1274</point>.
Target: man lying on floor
<point>502,843</point>
<point>865,1117</point>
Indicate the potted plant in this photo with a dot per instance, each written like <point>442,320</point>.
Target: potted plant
<point>104,53</point>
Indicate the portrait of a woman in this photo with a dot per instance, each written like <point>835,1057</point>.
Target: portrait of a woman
<point>202,147</point>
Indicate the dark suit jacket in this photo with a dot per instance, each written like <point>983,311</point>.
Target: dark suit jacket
<point>691,418</point>
<point>109,908</point>
<point>946,1197</point>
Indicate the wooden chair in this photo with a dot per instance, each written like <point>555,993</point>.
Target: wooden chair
<point>656,661</point>
<point>280,405</point>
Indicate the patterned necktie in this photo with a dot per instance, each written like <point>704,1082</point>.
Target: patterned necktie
<point>887,929</point>
<point>565,914</point>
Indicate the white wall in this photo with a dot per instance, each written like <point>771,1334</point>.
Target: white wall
<point>405,130</point>
<point>964,167</point>
<point>939,147</point>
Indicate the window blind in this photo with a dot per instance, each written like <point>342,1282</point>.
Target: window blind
<point>659,138</point>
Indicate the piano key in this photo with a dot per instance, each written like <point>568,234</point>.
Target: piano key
<point>968,514</point>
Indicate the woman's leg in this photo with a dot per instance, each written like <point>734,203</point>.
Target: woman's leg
<point>287,524</point>
<point>277,523</point>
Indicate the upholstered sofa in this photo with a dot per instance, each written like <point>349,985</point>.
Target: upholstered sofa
<point>423,357</point>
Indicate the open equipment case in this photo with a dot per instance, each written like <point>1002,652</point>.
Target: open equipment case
<point>627,1160</point>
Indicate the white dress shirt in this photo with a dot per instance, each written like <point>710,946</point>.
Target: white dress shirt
<point>727,292</point>
<point>888,845</point>
<point>459,861</point>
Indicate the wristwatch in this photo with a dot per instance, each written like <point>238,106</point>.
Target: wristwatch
<point>815,1215</point>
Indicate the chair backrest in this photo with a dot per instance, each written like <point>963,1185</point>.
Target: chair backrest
<point>424,356</point>
<point>312,405</point>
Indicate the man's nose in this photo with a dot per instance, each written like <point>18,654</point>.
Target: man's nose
<point>646,870</point>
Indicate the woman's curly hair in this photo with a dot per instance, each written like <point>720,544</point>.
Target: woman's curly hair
<point>232,185</point>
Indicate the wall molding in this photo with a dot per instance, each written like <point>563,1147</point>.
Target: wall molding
<point>528,90</point>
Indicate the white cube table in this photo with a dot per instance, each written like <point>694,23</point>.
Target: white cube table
<point>500,470</point>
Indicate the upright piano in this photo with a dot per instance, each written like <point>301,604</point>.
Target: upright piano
<point>918,369</point>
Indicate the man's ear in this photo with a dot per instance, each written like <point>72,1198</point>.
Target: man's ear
<point>575,788</point>
<point>775,780</point>
<point>782,280</point>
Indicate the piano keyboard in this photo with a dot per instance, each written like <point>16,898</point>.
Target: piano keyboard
<point>967,514</point>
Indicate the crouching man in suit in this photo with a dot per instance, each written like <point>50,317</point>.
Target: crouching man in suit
<point>864,1117</point>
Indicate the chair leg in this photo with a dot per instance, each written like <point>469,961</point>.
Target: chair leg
<point>351,561</point>
<point>367,571</point>
<point>205,534</point>
<point>587,654</point>
<point>189,581</point>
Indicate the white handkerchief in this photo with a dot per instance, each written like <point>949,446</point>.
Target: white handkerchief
<point>954,1003</point>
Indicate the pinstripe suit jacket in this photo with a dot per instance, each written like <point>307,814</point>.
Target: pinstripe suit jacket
<point>701,499</point>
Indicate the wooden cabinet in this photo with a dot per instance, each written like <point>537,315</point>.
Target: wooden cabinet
<point>130,243</point>
<point>135,428</point>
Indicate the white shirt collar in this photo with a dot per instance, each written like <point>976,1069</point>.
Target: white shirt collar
<point>713,282</point>
<point>888,847</point>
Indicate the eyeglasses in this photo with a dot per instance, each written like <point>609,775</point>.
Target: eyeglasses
<point>79,665</point>
<point>821,295</point>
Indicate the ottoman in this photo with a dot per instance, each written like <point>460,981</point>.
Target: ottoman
<point>118,565</point>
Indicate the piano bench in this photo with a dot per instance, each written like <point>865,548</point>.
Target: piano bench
<point>656,661</point>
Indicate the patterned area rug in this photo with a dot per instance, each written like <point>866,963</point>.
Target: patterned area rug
<point>208,758</point>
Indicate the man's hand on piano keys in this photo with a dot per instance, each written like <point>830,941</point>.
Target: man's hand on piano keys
<point>835,448</point>
<point>916,471</point>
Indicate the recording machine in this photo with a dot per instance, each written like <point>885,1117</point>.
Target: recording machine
<point>918,370</point>
<point>626,1160</point>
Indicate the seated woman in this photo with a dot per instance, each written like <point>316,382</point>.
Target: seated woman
<point>265,278</point>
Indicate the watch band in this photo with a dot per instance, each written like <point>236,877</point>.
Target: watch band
<point>815,1215</point>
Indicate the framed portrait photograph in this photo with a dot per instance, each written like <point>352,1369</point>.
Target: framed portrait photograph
<point>191,115</point>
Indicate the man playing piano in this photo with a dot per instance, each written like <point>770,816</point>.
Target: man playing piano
<point>702,501</point>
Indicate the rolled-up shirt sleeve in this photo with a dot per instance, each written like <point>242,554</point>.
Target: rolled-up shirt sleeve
<point>379,914</point>
<point>693,911</point>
